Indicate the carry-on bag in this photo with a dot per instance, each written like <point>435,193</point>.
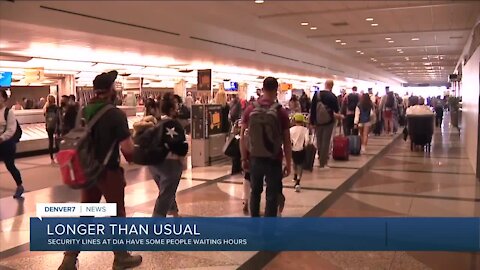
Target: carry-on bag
<point>354,143</point>
<point>341,149</point>
<point>310,153</point>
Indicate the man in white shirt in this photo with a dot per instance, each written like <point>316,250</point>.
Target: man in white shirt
<point>8,128</point>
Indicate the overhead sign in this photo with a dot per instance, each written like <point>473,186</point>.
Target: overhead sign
<point>34,75</point>
<point>286,86</point>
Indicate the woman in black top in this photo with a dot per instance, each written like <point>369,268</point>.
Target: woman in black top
<point>52,124</point>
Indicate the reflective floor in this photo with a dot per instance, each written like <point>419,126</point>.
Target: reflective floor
<point>389,180</point>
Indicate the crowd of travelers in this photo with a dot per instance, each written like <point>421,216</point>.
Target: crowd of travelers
<point>273,140</point>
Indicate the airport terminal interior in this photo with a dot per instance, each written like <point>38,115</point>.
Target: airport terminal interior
<point>426,52</point>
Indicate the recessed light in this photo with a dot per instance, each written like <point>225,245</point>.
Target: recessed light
<point>259,1</point>
<point>415,39</point>
<point>391,41</point>
<point>362,53</point>
<point>388,38</point>
<point>313,28</point>
<point>338,40</point>
<point>399,50</point>
<point>304,23</point>
<point>374,24</point>
<point>343,43</point>
<point>424,58</point>
<point>369,19</point>
<point>359,51</point>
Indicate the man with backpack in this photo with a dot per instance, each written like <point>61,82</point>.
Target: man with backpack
<point>268,127</point>
<point>323,112</point>
<point>109,133</point>
<point>350,104</point>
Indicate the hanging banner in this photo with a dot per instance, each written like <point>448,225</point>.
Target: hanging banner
<point>204,80</point>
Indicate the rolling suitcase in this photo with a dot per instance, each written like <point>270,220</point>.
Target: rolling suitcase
<point>354,144</point>
<point>341,149</point>
<point>310,153</point>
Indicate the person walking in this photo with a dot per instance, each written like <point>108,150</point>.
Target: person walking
<point>109,133</point>
<point>300,138</point>
<point>350,103</point>
<point>294,105</point>
<point>168,173</point>
<point>8,140</point>
<point>322,117</point>
<point>438,107</point>
<point>364,117</point>
<point>268,129</point>
<point>52,124</point>
<point>388,106</point>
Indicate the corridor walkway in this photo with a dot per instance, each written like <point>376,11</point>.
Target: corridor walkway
<point>388,181</point>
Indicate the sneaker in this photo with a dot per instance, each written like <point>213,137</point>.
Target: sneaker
<point>69,263</point>
<point>18,192</point>
<point>297,188</point>
<point>281,203</point>
<point>324,168</point>
<point>363,151</point>
<point>173,213</point>
<point>125,260</point>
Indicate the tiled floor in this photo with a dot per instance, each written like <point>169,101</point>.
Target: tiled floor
<point>389,180</point>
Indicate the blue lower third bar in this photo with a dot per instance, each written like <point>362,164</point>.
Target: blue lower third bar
<point>255,234</point>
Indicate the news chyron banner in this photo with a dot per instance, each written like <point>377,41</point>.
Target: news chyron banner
<point>244,234</point>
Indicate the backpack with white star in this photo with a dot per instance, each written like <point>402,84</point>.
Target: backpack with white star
<point>150,147</point>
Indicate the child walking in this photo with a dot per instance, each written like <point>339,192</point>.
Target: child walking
<point>299,137</point>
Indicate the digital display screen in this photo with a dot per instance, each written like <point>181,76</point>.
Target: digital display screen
<point>5,78</point>
<point>230,86</point>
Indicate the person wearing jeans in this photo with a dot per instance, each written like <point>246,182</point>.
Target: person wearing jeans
<point>168,173</point>
<point>8,127</point>
<point>324,131</point>
<point>52,124</point>
<point>266,168</point>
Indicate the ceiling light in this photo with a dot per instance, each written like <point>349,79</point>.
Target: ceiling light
<point>369,19</point>
<point>343,43</point>
<point>304,23</point>
<point>362,53</point>
<point>359,51</point>
<point>338,40</point>
<point>424,58</point>
<point>374,24</point>
<point>313,28</point>
<point>400,52</point>
<point>388,38</point>
<point>427,64</point>
<point>259,1</point>
<point>391,41</point>
<point>415,39</point>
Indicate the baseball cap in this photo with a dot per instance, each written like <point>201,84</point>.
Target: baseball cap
<point>104,81</point>
<point>298,117</point>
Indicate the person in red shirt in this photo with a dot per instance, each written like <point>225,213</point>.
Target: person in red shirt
<point>268,168</point>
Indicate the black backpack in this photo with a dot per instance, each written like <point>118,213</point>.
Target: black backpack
<point>149,145</point>
<point>352,102</point>
<point>390,101</point>
<point>18,132</point>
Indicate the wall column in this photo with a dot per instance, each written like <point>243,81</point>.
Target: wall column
<point>66,86</point>
<point>180,88</point>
